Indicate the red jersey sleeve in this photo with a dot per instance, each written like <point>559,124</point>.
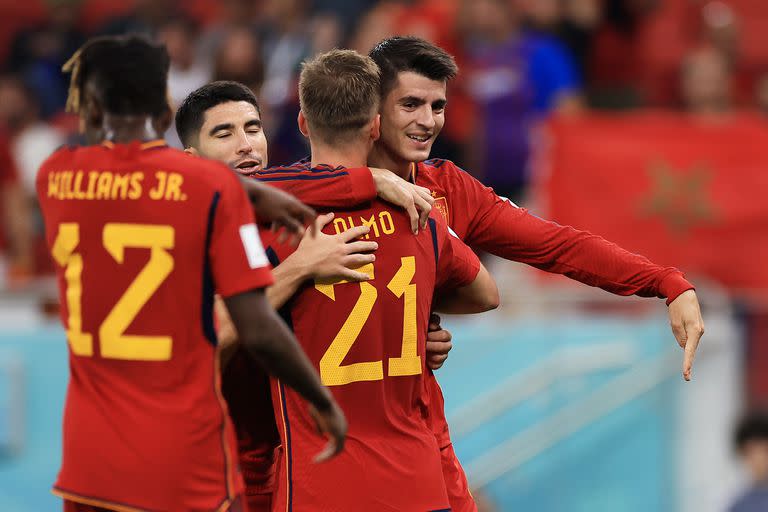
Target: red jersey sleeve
<point>322,187</point>
<point>457,265</point>
<point>237,257</point>
<point>498,226</point>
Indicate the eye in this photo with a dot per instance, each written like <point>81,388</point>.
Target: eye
<point>409,106</point>
<point>222,135</point>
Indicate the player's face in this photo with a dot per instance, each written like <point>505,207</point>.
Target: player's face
<point>412,115</point>
<point>232,133</point>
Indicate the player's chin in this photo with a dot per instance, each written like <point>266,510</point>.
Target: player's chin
<point>417,155</point>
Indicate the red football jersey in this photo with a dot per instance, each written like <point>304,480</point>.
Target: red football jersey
<point>368,342</point>
<point>246,384</point>
<point>142,236</point>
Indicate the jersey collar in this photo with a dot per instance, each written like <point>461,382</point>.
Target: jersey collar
<point>413,175</point>
<point>157,143</point>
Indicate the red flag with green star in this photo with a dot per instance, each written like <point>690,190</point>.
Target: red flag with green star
<point>683,191</point>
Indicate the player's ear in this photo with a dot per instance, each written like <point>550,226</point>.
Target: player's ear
<point>192,151</point>
<point>303,126</point>
<point>376,128</point>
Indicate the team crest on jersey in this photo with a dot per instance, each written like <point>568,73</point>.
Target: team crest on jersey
<point>441,203</point>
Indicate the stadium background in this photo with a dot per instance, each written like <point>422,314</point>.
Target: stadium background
<point>641,120</point>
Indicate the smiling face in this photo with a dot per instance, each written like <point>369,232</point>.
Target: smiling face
<point>232,133</point>
<point>412,115</point>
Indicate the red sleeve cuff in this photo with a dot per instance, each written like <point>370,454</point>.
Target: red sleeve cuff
<point>259,278</point>
<point>363,187</point>
<point>673,285</point>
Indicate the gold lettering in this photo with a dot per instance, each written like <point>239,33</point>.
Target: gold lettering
<point>135,192</point>
<point>104,185</point>
<point>173,189</point>
<point>67,185</point>
<point>53,184</point>
<point>339,225</point>
<point>372,225</point>
<point>387,227</point>
<point>158,192</point>
<point>79,194</point>
<point>120,185</point>
<point>93,176</point>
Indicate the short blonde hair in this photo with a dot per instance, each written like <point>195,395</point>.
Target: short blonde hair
<point>339,93</point>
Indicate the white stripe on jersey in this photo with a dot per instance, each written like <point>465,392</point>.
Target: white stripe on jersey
<point>507,200</point>
<point>254,250</point>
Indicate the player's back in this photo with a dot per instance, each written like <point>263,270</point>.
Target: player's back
<point>368,342</point>
<point>131,229</point>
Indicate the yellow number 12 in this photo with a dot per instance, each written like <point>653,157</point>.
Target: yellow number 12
<point>332,371</point>
<point>113,343</point>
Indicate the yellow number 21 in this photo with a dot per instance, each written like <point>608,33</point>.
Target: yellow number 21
<point>332,371</point>
<point>113,343</point>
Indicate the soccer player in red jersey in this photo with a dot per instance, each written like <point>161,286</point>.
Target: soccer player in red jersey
<point>368,338</point>
<point>414,76</point>
<point>142,236</point>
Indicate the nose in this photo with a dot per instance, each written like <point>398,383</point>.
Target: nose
<point>244,146</point>
<point>425,118</point>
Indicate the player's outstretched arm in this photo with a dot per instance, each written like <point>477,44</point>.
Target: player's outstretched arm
<point>479,296</point>
<point>687,326</point>
<point>266,337</point>
<point>279,208</point>
<point>321,256</point>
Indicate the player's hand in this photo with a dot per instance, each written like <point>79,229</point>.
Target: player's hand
<point>438,343</point>
<point>280,209</point>
<point>334,257</point>
<point>417,201</point>
<point>333,425</point>
<point>687,326</point>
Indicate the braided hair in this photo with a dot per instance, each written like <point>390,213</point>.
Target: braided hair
<point>131,73</point>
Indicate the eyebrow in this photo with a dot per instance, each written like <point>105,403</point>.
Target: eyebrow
<point>412,99</point>
<point>222,126</point>
<point>253,122</point>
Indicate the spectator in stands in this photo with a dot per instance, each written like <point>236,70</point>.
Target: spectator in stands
<point>233,16</point>
<point>515,77</point>
<point>146,17</point>
<point>239,58</point>
<point>187,71</point>
<point>751,442</point>
<point>16,257</point>
<point>705,82</point>
<point>572,22</point>
<point>31,139</point>
<point>37,53</point>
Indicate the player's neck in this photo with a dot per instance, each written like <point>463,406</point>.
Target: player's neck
<point>349,155</point>
<point>383,159</point>
<point>124,129</point>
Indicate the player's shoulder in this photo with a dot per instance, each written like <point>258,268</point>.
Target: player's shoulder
<point>443,171</point>
<point>440,165</point>
<point>192,167</point>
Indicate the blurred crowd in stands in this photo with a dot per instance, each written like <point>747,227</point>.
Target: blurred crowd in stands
<point>520,60</point>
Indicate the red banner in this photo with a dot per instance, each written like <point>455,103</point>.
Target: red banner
<point>683,191</point>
